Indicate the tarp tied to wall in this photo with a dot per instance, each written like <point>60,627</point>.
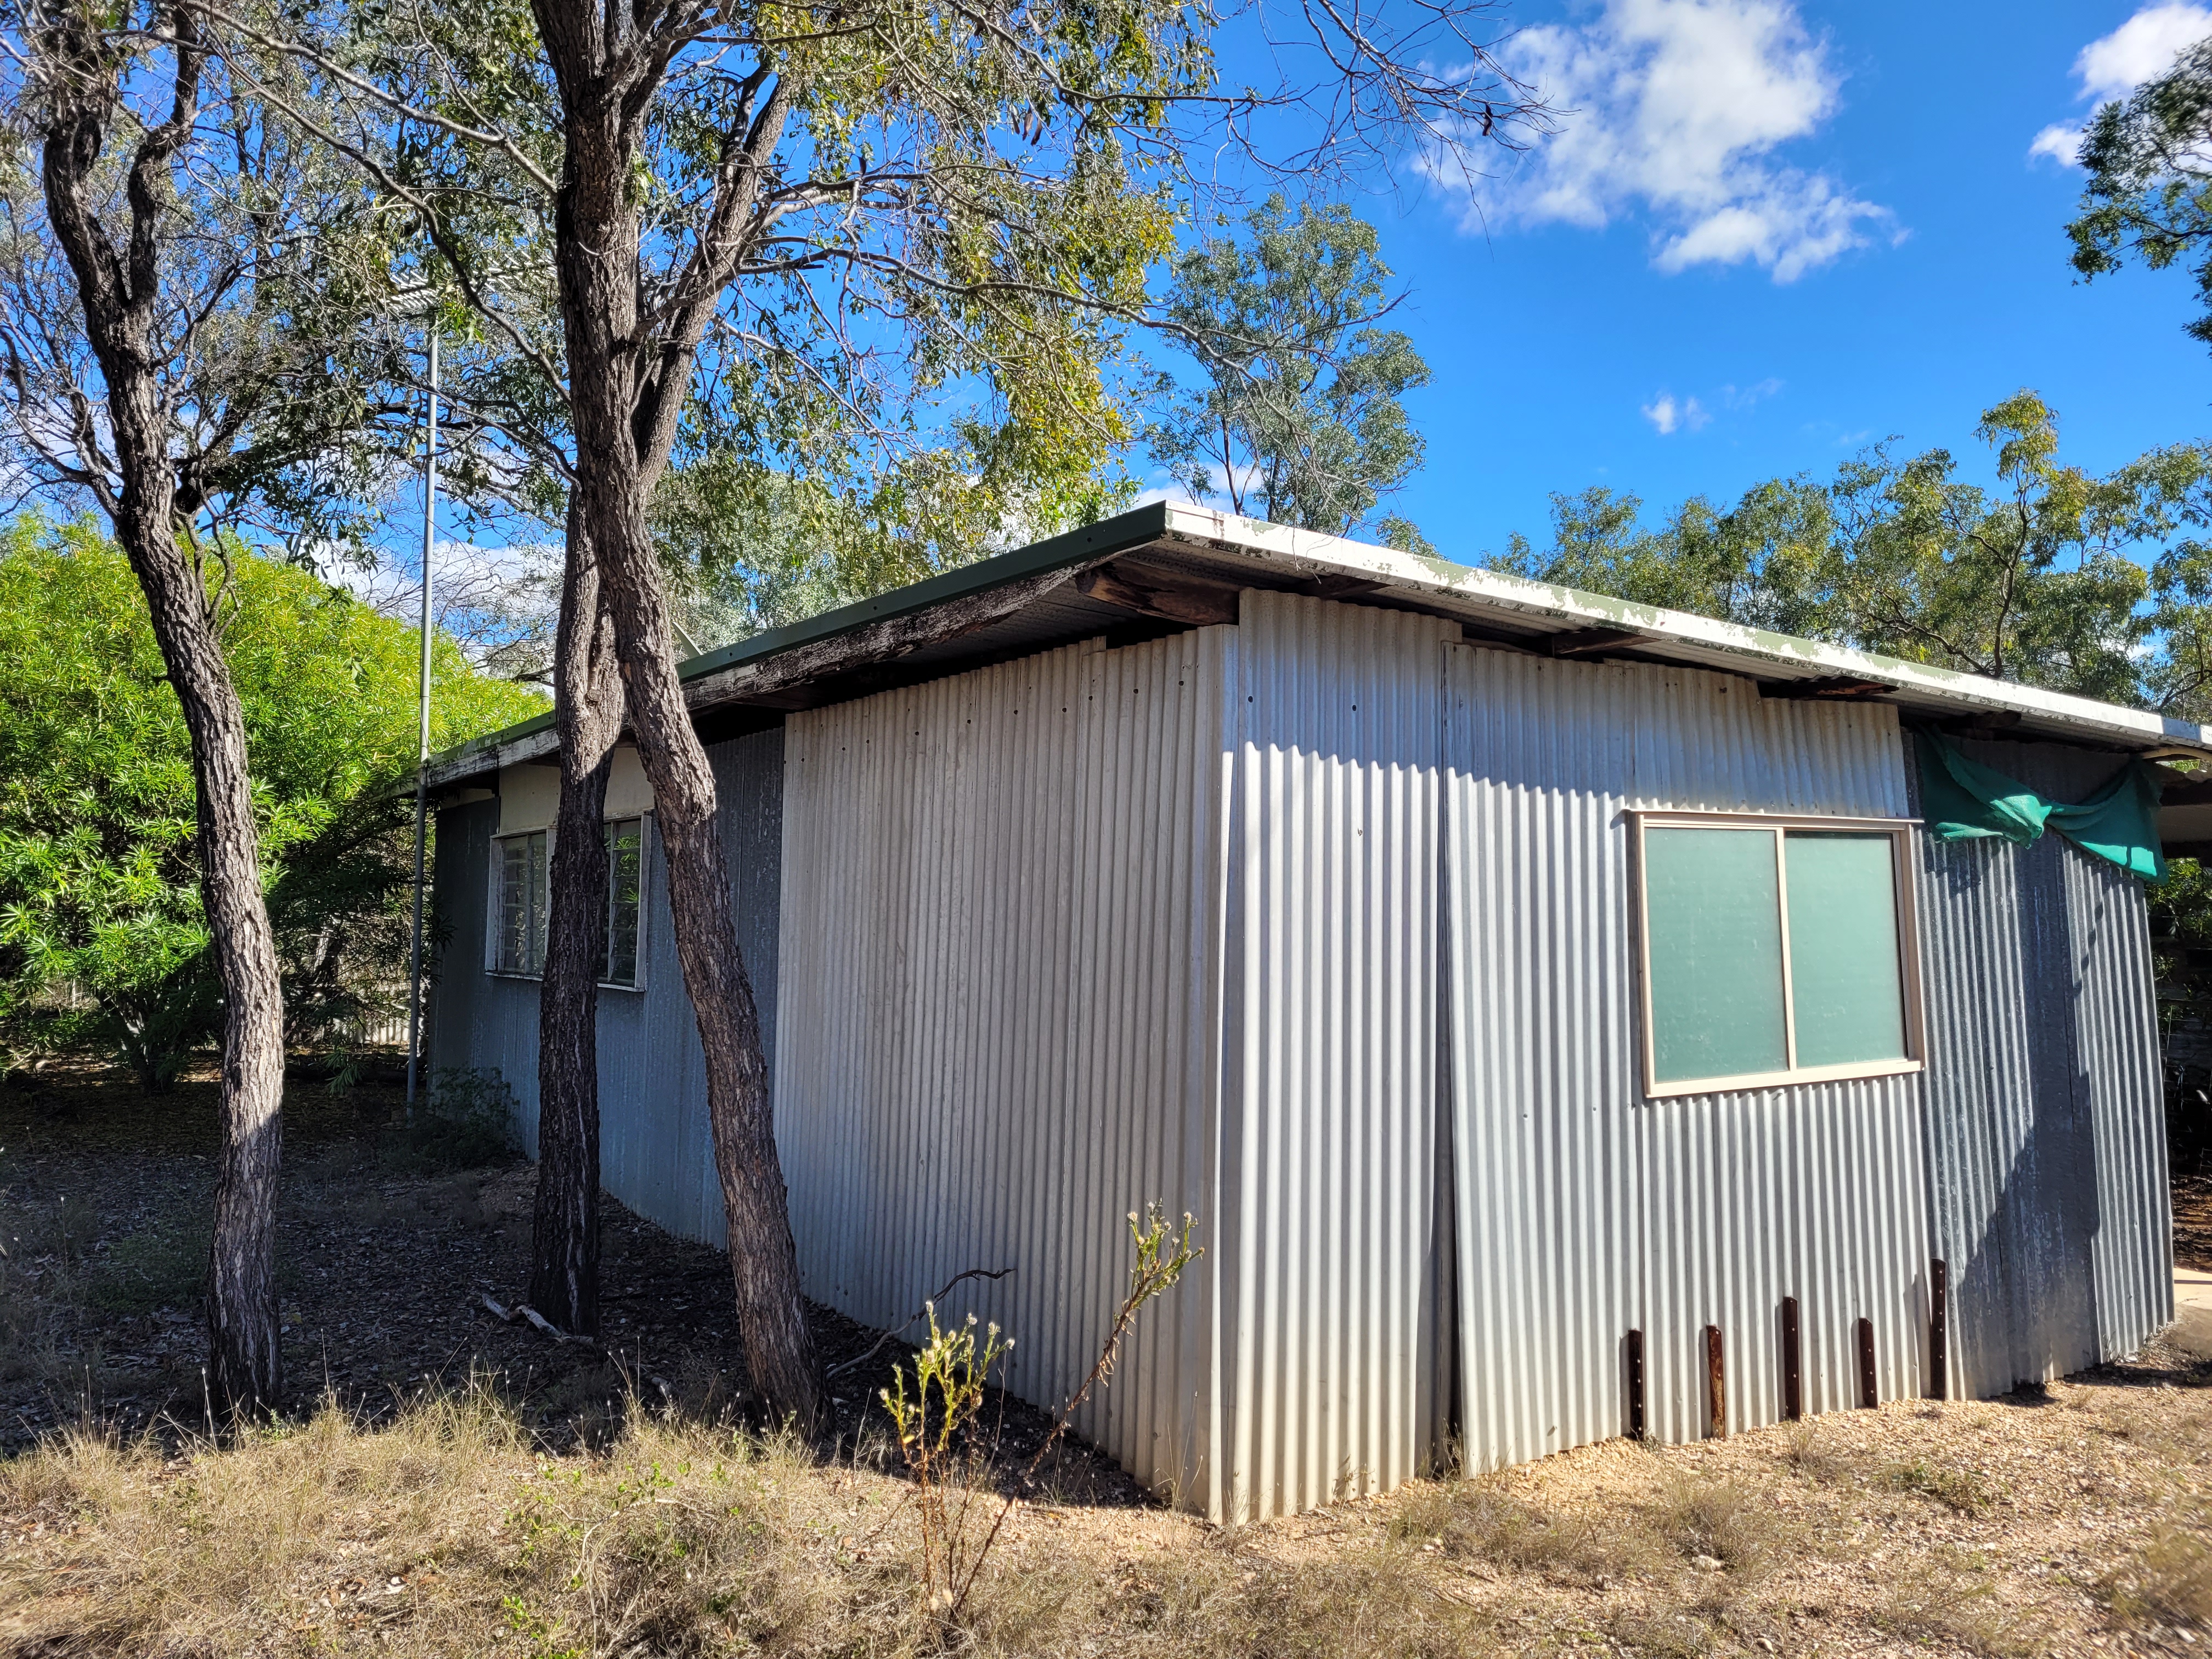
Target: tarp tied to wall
<point>1964,800</point>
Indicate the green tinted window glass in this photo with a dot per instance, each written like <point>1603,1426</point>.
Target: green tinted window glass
<point>1844,975</point>
<point>1714,908</point>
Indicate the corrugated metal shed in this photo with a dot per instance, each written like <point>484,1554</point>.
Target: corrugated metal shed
<point>1586,1210</point>
<point>1318,926</point>
<point>997,1034</point>
<point>2044,1122</point>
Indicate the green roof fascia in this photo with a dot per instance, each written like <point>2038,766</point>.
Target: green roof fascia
<point>1134,528</point>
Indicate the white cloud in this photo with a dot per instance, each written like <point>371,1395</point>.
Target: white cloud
<point>2141,49</point>
<point>1678,108</point>
<point>1668,416</point>
<point>2059,142</point>
<point>2113,65</point>
<point>1743,396</point>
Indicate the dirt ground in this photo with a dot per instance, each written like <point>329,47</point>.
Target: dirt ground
<point>2192,1222</point>
<point>2074,1519</point>
<point>383,1270</point>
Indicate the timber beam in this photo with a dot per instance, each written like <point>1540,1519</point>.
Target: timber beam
<point>1826,687</point>
<point>1593,641</point>
<point>1201,604</point>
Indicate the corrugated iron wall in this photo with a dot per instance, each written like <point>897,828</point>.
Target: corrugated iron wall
<point>999,992</point>
<point>2044,1121</point>
<point>1301,925</point>
<point>655,1151</point>
<point>478,1020</point>
<point>1586,1212</point>
<point>1340,1221</point>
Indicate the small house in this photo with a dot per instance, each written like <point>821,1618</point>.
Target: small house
<point>1564,1018</point>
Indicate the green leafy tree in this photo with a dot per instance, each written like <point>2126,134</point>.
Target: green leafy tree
<point>2149,191</point>
<point>102,933</point>
<point>2031,581</point>
<point>1299,412</point>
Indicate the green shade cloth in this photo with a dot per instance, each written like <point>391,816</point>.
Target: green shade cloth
<point>1961,799</point>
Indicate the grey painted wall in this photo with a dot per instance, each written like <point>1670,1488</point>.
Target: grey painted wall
<point>655,1153</point>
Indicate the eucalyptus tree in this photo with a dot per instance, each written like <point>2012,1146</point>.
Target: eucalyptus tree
<point>185,288</point>
<point>1299,412</point>
<point>824,218</point>
<point>2148,195</point>
<point>2059,577</point>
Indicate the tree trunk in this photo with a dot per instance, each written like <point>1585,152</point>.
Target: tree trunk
<point>121,305</point>
<point>564,1270</point>
<point>598,233</point>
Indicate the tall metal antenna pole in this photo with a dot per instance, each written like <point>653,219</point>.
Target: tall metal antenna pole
<point>422,737</point>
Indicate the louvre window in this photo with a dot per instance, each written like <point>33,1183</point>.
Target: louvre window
<point>1774,950</point>
<point>518,906</point>
<point>625,877</point>
<point>521,876</point>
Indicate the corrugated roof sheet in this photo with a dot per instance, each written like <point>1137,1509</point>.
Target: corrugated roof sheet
<point>1170,558</point>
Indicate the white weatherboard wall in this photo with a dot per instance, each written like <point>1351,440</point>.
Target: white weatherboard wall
<point>1585,1211</point>
<point>1000,983</point>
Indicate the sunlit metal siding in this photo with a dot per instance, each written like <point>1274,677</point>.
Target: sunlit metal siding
<point>2045,1127</point>
<point>1586,1212</point>
<point>1338,1228</point>
<point>999,999</point>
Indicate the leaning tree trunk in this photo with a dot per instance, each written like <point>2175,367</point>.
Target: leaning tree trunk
<point>122,304</point>
<point>611,378</point>
<point>564,1264</point>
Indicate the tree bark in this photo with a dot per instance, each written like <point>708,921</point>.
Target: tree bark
<point>121,294</point>
<point>620,388</point>
<point>564,1271</point>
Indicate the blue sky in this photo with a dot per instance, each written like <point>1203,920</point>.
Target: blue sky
<point>1822,221</point>
<point>1770,233</point>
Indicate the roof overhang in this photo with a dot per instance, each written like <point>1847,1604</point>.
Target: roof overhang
<point>1166,566</point>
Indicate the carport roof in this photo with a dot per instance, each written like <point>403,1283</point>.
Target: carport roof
<point>1165,567</point>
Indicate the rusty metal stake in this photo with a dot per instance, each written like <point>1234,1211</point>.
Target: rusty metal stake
<point>1869,1394</point>
<point>1715,1382</point>
<point>1939,1339</point>
<point>1793,1371</point>
<point>1636,1385</point>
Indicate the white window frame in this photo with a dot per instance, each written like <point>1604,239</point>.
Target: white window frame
<point>1901,831</point>
<point>496,895</point>
<point>644,821</point>
<point>492,908</point>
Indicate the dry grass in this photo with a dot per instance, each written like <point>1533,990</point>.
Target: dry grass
<point>450,1529</point>
<point>550,1515</point>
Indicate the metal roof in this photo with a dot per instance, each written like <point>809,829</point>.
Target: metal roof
<point>1167,566</point>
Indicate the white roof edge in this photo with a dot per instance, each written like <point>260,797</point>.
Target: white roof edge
<point>1496,591</point>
